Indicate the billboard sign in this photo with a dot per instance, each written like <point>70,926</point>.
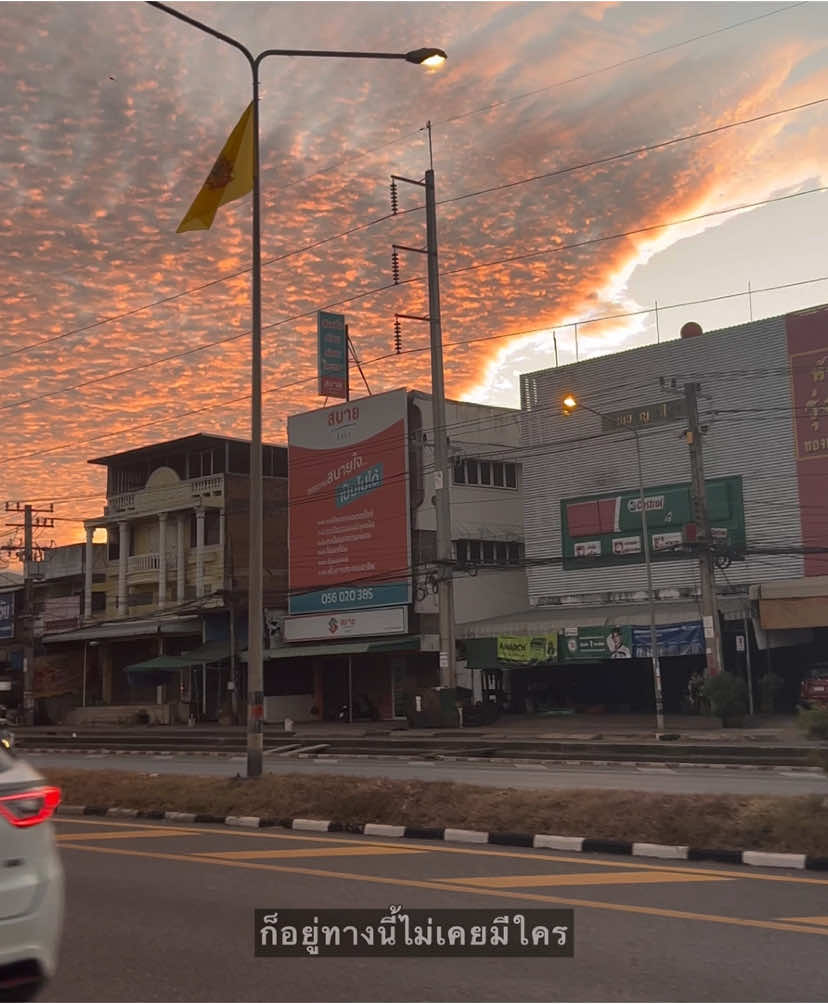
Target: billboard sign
<point>523,650</point>
<point>594,644</point>
<point>332,354</point>
<point>606,529</point>
<point>672,640</point>
<point>348,506</point>
<point>7,615</point>
<point>356,624</point>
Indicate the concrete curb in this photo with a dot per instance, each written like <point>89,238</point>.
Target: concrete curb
<point>96,754</point>
<point>545,841</point>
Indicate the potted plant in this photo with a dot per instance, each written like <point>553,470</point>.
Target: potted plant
<point>726,694</point>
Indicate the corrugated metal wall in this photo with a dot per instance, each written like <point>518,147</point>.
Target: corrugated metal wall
<point>745,400</point>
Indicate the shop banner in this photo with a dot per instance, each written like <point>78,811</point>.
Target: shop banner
<point>525,650</point>
<point>672,640</point>
<point>594,644</point>
<point>348,510</point>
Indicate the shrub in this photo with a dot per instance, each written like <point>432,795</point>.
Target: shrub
<point>770,686</point>
<point>726,694</point>
<point>815,723</point>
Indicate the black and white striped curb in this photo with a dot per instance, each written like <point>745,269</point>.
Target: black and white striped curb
<point>544,841</point>
<point>407,758</point>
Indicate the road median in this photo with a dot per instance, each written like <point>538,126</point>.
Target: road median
<point>796,825</point>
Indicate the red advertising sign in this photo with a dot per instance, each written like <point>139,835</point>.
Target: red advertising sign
<point>349,505</point>
<point>807,333</point>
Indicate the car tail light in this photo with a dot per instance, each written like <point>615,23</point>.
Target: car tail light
<point>28,808</point>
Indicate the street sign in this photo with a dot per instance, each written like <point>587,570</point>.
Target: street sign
<point>643,416</point>
<point>332,354</point>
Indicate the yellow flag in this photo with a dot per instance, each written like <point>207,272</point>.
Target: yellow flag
<point>231,177</point>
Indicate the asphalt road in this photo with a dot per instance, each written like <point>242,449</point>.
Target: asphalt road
<point>667,780</point>
<point>159,912</point>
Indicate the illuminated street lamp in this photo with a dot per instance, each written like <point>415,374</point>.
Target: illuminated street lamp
<point>429,57</point>
<point>568,405</point>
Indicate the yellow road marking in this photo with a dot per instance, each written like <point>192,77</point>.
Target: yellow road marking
<point>538,855</point>
<point>308,852</point>
<point>523,897</point>
<point>819,921</point>
<point>584,878</point>
<point>155,831</point>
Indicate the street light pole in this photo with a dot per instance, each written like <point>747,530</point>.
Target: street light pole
<point>569,405</point>
<point>430,57</point>
<point>650,592</point>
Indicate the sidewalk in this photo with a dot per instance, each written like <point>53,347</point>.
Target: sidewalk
<point>768,730</point>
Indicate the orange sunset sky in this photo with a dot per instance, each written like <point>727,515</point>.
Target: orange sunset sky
<point>117,332</point>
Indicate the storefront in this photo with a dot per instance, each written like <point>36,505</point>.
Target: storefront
<point>562,659</point>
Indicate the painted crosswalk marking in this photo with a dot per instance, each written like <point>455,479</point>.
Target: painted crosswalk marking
<point>123,834</point>
<point>583,878</point>
<point>308,852</point>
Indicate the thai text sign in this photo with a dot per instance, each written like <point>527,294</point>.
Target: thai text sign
<point>606,529</point>
<point>350,624</point>
<point>644,415</point>
<point>348,505</point>
<point>332,354</point>
<point>594,644</point>
<point>399,932</point>
<point>525,650</point>
<point>672,640</point>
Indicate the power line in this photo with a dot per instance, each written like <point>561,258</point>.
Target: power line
<point>615,66</point>
<point>419,279</point>
<point>663,145</point>
<point>381,219</point>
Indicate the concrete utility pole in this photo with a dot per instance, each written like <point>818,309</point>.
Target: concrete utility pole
<point>448,674</point>
<point>442,494</point>
<point>704,538</point>
<point>28,526</point>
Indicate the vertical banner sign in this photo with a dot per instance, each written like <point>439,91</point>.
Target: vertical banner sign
<point>807,333</point>
<point>332,354</point>
<point>348,506</point>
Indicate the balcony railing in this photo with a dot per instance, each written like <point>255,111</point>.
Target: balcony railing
<point>120,503</point>
<point>149,562</point>
<point>208,486</point>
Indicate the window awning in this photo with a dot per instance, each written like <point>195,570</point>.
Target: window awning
<point>117,630</point>
<point>546,620</point>
<point>160,664</point>
<point>408,643</point>
<point>210,651</point>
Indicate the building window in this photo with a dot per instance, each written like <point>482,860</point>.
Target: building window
<point>113,543</point>
<point>98,601</point>
<point>488,473</point>
<point>497,553</point>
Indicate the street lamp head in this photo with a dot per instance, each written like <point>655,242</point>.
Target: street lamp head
<point>569,404</point>
<point>432,58</point>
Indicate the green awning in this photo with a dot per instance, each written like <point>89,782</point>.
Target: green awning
<point>408,643</point>
<point>160,664</point>
<point>210,651</point>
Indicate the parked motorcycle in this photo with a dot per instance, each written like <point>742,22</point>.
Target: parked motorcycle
<point>6,734</point>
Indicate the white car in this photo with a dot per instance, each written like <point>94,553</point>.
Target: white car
<point>31,880</point>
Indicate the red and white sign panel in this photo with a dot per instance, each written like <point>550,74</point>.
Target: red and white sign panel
<point>349,498</point>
